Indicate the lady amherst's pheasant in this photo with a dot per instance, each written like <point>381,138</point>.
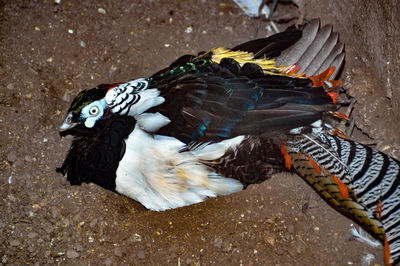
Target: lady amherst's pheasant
<point>211,124</point>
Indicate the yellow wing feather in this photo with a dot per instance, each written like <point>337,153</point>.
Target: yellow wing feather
<point>268,65</point>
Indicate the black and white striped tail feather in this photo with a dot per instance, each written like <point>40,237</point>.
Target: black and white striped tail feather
<point>374,177</point>
<point>306,148</point>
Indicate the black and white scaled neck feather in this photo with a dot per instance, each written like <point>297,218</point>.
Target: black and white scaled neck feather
<point>133,98</point>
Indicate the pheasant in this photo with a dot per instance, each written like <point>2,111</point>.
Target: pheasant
<point>211,124</point>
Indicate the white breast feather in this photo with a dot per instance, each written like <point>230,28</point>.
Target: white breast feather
<point>149,98</point>
<point>156,174</point>
<point>152,122</point>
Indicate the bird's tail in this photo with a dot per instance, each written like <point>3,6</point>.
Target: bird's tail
<point>359,181</point>
<point>308,49</point>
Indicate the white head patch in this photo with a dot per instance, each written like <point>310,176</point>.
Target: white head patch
<point>93,112</point>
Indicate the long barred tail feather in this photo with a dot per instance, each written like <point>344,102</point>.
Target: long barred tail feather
<point>359,181</point>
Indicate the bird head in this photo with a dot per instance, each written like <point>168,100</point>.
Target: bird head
<point>99,126</point>
<point>86,109</point>
<point>91,106</point>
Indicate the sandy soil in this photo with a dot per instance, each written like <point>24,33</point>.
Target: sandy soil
<point>51,51</point>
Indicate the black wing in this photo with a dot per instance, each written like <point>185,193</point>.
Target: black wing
<point>218,101</point>
<point>206,101</point>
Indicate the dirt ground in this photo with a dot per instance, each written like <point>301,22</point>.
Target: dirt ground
<point>51,51</point>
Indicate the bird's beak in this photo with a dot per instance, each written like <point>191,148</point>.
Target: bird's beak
<point>67,123</point>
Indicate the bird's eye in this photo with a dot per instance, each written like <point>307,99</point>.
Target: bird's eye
<point>94,110</point>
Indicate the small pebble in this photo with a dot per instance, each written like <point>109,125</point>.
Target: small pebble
<point>66,98</point>
<point>279,251</point>
<point>229,29</point>
<point>12,198</point>
<point>135,238</point>
<point>55,213</point>
<point>32,235</point>
<point>10,86</point>
<point>70,31</point>
<point>47,227</point>
<point>28,158</point>
<point>141,255</point>
<point>270,239</point>
<point>108,262</point>
<point>118,252</point>
<point>290,228</point>
<point>269,221</point>
<point>189,29</point>
<point>12,156</point>
<point>300,247</point>
<point>72,254</point>
<point>14,243</point>
<point>93,223</point>
<point>101,10</point>
<point>112,70</point>
<point>227,248</point>
<point>218,242</point>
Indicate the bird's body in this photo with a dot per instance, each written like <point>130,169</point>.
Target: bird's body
<point>211,124</point>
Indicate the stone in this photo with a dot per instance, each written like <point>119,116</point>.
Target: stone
<point>290,228</point>
<point>93,223</point>
<point>279,251</point>
<point>31,249</point>
<point>79,247</point>
<point>108,261</point>
<point>28,158</point>
<point>14,243</point>
<point>67,98</point>
<point>72,254</point>
<point>101,10</point>
<point>141,255</point>
<point>227,248</point>
<point>55,213</point>
<point>12,156</point>
<point>270,239</point>
<point>118,251</point>
<point>218,242</point>
<point>300,247</point>
<point>32,235</point>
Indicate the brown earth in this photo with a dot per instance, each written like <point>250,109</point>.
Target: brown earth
<point>51,51</point>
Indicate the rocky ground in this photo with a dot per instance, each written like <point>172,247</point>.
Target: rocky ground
<point>50,51</point>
